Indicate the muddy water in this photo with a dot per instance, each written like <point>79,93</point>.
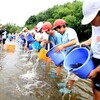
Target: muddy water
<point>21,79</point>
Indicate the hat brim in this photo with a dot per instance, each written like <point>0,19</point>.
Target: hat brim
<point>44,30</point>
<point>38,29</point>
<point>87,19</point>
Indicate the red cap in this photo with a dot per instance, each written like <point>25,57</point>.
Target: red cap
<point>59,22</point>
<point>46,26</point>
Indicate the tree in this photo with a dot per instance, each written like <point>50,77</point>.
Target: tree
<point>31,20</point>
<point>71,12</point>
<point>12,28</point>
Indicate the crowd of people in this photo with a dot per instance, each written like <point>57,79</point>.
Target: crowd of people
<point>62,37</point>
<point>4,36</point>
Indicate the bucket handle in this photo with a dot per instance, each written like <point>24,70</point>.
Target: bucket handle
<point>83,45</point>
<point>86,46</point>
<point>77,46</point>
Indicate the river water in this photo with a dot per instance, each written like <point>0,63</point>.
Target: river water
<point>21,79</point>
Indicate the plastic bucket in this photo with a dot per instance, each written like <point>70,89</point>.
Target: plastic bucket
<point>79,62</point>
<point>11,47</point>
<point>42,54</point>
<point>22,37</point>
<point>29,38</point>
<point>36,45</point>
<point>21,41</point>
<point>57,57</point>
<point>30,47</point>
<point>5,46</point>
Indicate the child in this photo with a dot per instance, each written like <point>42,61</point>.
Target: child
<point>91,12</point>
<point>24,34</point>
<point>54,37</point>
<point>41,37</point>
<point>69,40</point>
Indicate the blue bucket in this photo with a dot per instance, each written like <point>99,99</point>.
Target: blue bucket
<point>29,38</point>
<point>22,37</point>
<point>36,45</point>
<point>21,41</point>
<point>79,62</point>
<point>30,47</point>
<point>57,57</point>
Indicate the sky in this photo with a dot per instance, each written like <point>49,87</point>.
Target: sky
<point>18,11</point>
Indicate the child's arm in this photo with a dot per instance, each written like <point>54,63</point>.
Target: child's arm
<point>87,42</point>
<point>62,46</point>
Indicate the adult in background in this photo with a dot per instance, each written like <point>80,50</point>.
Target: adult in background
<point>4,36</point>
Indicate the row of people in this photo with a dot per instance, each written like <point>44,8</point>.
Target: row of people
<point>57,34</point>
<point>66,37</point>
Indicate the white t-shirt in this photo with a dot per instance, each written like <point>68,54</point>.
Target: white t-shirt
<point>41,36</point>
<point>33,31</point>
<point>45,36</point>
<point>25,33</point>
<point>38,36</point>
<point>4,36</point>
<point>69,35</point>
<point>95,43</point>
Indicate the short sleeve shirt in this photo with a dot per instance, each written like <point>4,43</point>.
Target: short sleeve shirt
<point>95,43</point>
<point>68,36</point>
<point>56,38</point>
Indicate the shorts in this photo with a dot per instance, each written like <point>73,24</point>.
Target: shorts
<point>4,41</point>
<point>24,40</point>
<point>28,44</point>
<point>96,80</point>
<point>72,76</point>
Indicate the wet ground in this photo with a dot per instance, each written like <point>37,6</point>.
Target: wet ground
<point>21,79</point>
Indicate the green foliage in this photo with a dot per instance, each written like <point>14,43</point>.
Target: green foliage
<point>12,28</point>
<point>71,12</point>
<point>31,20</point>
<point>71,20</point>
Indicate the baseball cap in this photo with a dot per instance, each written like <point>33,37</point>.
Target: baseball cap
<point>39,26</point>
<point>46,26</point>
<point>90,9</point>
<point>25,28</point>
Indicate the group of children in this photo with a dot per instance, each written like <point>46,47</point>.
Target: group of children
<point>65,38</point>
<point>60,36</point>
<point>6,38</point>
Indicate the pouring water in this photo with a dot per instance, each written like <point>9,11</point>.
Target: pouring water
<point>64,89</point>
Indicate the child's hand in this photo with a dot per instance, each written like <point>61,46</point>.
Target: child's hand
<point>59,48</point>
<point>92,74</point>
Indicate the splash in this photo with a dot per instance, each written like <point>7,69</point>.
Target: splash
<point>30,75</point>
<point>66,82</point>
<point>32,81</point>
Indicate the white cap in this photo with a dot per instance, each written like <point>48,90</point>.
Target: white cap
<point>25,28</point>
<point>39,26</point>
<point>90,10</point>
